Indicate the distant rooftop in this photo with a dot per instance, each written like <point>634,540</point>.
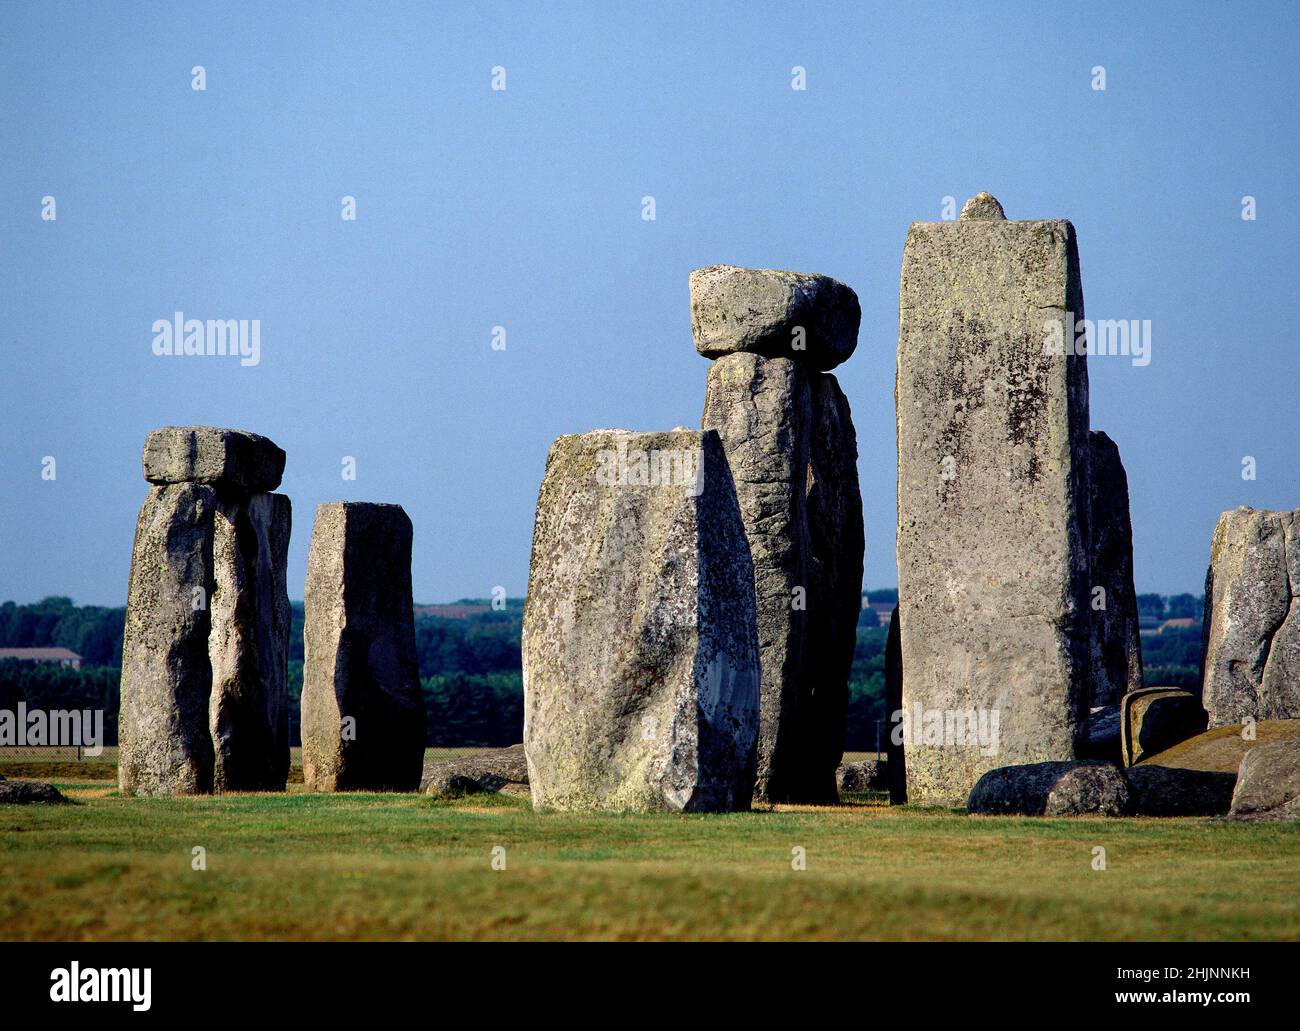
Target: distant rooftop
<point>40,654</point>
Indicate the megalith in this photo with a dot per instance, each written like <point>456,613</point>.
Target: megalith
<point>788,437</point>
<point>204,689</point>
<point>1112,599</point>
<point>993,503</point>
<point>164,745</point>
<point>640,647</point>
<point>249,643</point>
<point>363,716</point>
<point>1251,629</point>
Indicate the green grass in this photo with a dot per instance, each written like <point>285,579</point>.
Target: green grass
<point>301,866</point>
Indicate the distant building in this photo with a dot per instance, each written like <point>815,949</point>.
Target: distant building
<point>58,656</point>
<point>1150,625</point>
<point>452,611</point>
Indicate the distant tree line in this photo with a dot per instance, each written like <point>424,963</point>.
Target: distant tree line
<point>470,668</point>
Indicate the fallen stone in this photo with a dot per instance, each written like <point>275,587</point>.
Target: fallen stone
<point>1155,719</point>
<point>1101,734</point>
<point>363,715</point>
<point>165,747</point>
<point>1268,783</point>
<point>863,775</point>
<point>1116,646</point>
<point>1052,789</point>
<point>234,459</point>
<point>640,646</point>
<point>481,773</point>
<point>29,792</point>
<point>248,644</point>
<point>993,497</point>
<point>1176,791</point>
<point>1252,618</point>
<point>792,455</point>
<point>810,318</point>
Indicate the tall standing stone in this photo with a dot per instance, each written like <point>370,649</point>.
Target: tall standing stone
<point>993,536</point>
<point>1116,646</point>
<point>789,440</point>
<point>1251,630</point>
<point>363,718</point>
<point>640,650</point>
<point>164,747</point>
<point>249,644</point>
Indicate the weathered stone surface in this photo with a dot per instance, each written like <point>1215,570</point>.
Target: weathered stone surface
<point>234,459</point>
<point>640,648</point>
<point>1052,789</point>
<point>1252,618</point>
<point>810,318</point>
<point>1100,738</point>
<point>165,747</point>
<point>896,765</point>
<point>1116,646</point>
<point>982,206</point>
<point>993,536</point>
<point>1177,791</point>
<point>29,792</point>
<point>249,644</point>
<point>792,453</point>
<point>1268,783</point>
<point>363,714</point>
<point>863,775</point>
<point>1154,719</point>
<point>481,773</point>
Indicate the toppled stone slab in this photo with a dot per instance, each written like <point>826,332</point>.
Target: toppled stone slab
<point>481,773</point>
<point>640,646</point>
<point>1177,791</point>
<point>863,775</point>
<point>1268,783</point>
<point>812,319</point>
<point>1252,618</point>
<point>1052,789</point>
<point>363,717</point>
<point>1155,719</point>
<point>248,644</point>
<point>993,496</point>
<point>792,454</point>
<point>234,459</point>
<point>30,792</point>
<point>1100,738</point>
<point>1116,645</point>
<point>165,747</point>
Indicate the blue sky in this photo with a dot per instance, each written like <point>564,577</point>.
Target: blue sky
<point>522,208</point>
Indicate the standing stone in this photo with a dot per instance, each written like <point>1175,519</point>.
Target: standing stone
<point>792,453</point>
<point>1116,646</point>
<point>363,717</point>
<point>993,536</point>
<point>640,649</point>
<point>1251,631</point>
<point>896,765</point>
<point>164,744</point>
<point>249,644</point>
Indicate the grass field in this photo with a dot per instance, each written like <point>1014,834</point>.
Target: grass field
<point>307,866</point>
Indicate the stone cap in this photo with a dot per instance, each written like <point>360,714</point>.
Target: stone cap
<point>982,206</point>
<point>233,459</point>
<point>811,318</point>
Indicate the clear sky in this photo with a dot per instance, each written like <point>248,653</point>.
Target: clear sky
<point>522,208</point>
